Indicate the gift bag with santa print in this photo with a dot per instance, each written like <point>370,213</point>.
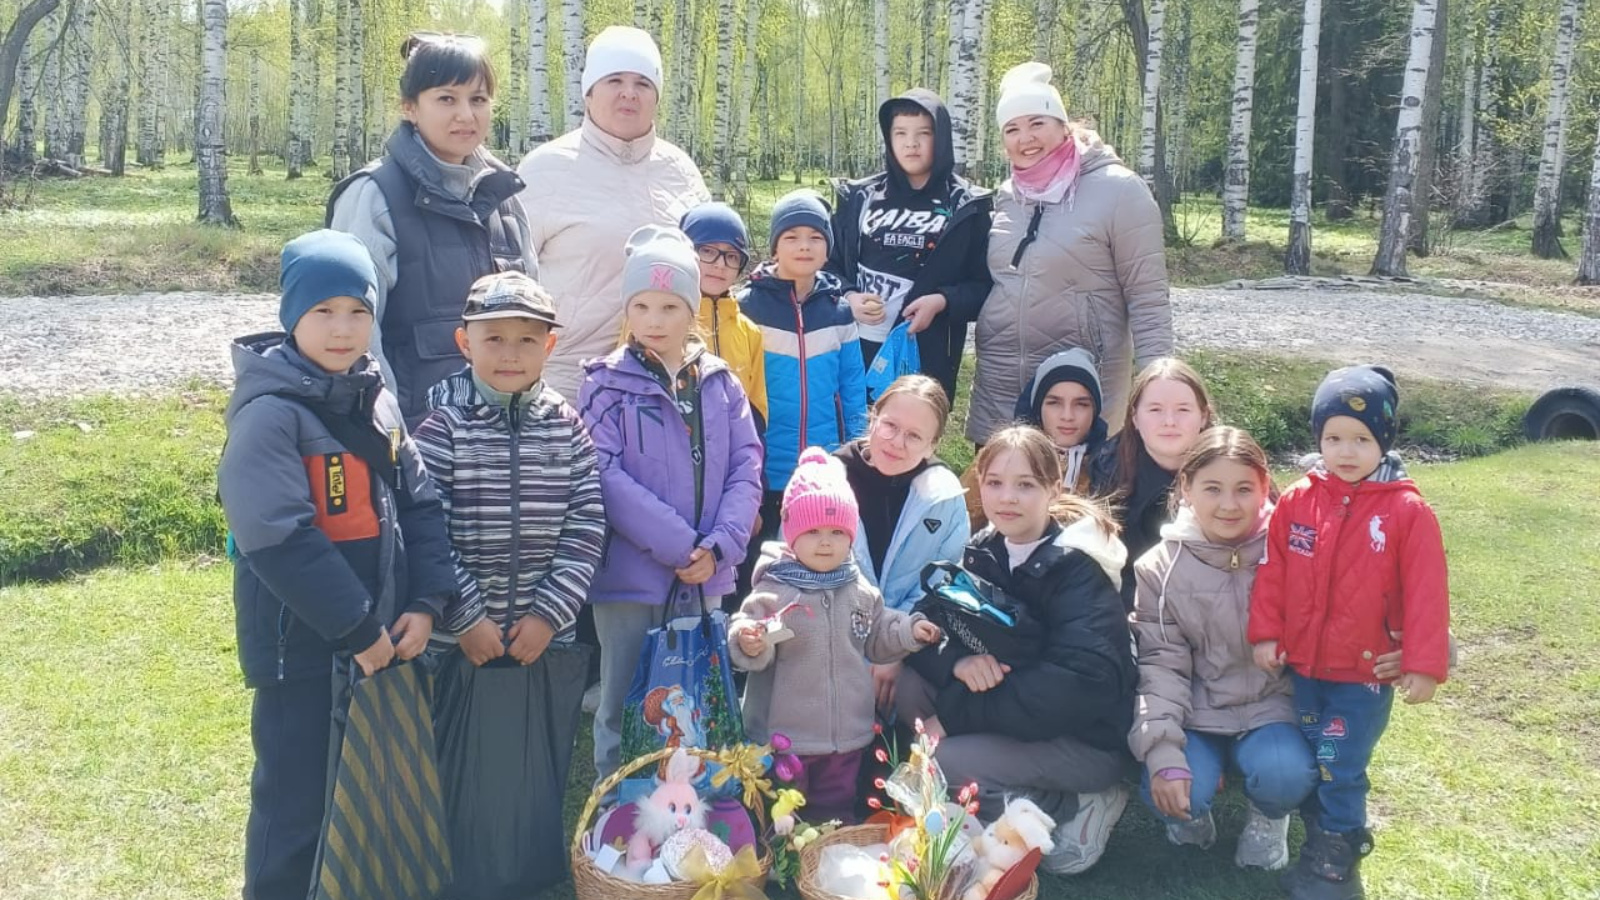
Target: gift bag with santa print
<point>682,693</point>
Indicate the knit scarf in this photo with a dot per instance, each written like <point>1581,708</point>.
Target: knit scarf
<point>790,571</point>
<point>1391,469</point>
<point>1051,178</point>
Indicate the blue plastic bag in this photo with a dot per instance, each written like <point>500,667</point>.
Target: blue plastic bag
<point>683,693</point>
<point>898,356</point>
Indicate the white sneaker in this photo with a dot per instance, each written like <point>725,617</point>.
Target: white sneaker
<point>1081,841</point>
<point>591,699</point>
<point>1264,842</point>
<point>1200,833</point>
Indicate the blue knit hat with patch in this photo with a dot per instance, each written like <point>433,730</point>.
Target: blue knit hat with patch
<point>716,223</point>
<point>797,208</point>
<point>323,264</point>
<point>1364,393</point>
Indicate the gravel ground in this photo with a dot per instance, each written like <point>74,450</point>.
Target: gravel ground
<point>147,343</point>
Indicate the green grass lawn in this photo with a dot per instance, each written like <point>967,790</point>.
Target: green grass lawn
<point>124,756</point>
<point>137,233</point>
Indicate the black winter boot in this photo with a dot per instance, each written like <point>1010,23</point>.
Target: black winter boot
<point>1330,867</point>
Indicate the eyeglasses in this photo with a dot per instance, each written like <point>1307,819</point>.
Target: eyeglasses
<point>711,256</point>
<point>889,431</point>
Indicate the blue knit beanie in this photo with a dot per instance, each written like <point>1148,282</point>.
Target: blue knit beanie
<point>716,223</point>
<point>322,264</point>
<point>1365,393</point>
<point>797,208</point>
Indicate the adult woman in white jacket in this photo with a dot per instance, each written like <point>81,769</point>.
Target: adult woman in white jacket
<point>592,187</point>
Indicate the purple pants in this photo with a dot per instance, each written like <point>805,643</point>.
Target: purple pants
<point>828,781</point>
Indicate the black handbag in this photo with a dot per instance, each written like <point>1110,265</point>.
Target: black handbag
<point>978,615</point>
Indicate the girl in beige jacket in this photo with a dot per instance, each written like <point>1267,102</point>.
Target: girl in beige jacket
<point>1204,709</point>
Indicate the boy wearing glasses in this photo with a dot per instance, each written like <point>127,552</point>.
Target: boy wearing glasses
<point>723,246</point>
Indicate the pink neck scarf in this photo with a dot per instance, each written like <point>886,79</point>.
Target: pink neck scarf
<point>1049,179</point>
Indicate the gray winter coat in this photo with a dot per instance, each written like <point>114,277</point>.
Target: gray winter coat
<point>1094,276</point>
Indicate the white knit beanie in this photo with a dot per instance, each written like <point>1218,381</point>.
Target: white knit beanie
<point>1026,91</point>
<point>621,48</point>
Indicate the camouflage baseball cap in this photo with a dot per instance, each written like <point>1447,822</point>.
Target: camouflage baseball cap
<point>509,295</point>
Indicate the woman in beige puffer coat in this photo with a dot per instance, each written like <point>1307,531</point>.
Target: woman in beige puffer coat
<point>1076,255</point>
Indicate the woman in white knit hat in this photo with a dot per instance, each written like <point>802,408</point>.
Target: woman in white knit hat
<point>592,187</point>
<point>1076,254</point>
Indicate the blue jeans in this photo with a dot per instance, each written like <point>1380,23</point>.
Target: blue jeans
<point>1342,723</point>
<point>1274,759</point>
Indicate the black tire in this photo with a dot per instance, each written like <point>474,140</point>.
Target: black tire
<point>1569,413</point>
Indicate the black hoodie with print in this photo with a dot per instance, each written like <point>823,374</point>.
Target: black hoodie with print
<point>902,243</point>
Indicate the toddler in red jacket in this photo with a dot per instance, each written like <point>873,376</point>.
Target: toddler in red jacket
<point>1354,568</point>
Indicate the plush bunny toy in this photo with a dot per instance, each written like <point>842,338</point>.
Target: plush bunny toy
<point>1020,828</point>
<point>672,807</point>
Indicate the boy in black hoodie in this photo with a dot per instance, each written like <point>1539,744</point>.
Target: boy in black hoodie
<point>913,239</point>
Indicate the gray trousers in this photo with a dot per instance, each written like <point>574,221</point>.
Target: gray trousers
<point>621,629</point>
<point>1050,773</point>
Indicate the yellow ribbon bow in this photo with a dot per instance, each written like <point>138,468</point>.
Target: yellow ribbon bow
<point>738,881</point>
<point>744,763</point>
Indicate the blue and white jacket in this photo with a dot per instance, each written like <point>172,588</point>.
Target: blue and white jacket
<point>816,383</point>
<point>933,525</point>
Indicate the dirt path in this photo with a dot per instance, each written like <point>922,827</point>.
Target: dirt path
<point>148,343</point>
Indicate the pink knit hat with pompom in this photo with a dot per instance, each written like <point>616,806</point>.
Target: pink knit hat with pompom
<point>818,496</point>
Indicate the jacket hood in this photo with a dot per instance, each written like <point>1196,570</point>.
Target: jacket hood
<point>1184,529</point>
<point>932,479</point>
<point>457,181</point>
<point>1087,535</point>
<point>944,154</point>
<point>267,364</point>
<point>1096,153</point>
<point>771,552</point>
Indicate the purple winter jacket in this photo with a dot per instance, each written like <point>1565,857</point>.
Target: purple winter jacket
<point>647,477</point>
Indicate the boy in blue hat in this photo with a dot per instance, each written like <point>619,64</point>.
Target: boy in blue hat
<point>339,540</point>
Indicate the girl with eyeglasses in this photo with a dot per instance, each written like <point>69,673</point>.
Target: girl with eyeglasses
<point>912,511</point>
<point>437,212</point>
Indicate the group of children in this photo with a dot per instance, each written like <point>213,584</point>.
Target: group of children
<point>1269,638</point>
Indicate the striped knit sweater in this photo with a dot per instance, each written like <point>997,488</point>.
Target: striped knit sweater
<point>539,553</point>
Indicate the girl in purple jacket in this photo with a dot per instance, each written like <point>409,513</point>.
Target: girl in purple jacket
<point>680,467</point>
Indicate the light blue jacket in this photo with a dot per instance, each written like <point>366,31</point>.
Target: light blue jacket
<point>933,526</point>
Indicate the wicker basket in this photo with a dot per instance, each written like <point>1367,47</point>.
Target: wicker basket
<point>860,836</point>
<point>589,883</point>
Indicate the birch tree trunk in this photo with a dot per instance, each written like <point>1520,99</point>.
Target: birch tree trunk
<point>358,83</point>
<point>1152,94</point>
<point>296,153</point>
<point>880,48</point>
<point>27,143</point>
<point>1474,211</point>
<point>682,68</point>
<point>211,152</point>
<point>1466,132</point>
<point>342,99</point>
<point>929,75</point>
<point>800,88</point>
<point>54,86</point>
<point>1297,257</point>
<point>1399,201</point>
<point>1547,193</point>
<point>1044,38</point>
<point>152,74</point>
<point>979,123</point>
<point>114,105</point>
<point>1419,241</point>
<point>966,29</point>
<point>641,14</point>
<point>572,40</point>
<point>1083,57</point>
<point>722,124</point>
<point>75,59</point>
<point>745,99</point>
<point>12,47</point>
<point>1236,181</point>
<point>954,22</point>
<point>255,112</point>
<point>1589,259</point>
<point>516,98</point>
<point>540,127</point>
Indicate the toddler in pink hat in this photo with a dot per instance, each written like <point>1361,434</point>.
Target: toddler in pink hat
<point>808,632</point>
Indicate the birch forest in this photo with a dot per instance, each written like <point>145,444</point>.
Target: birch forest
<point>1433,114</point>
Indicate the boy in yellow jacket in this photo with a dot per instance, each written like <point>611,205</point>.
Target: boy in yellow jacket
<point>723,246</point>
